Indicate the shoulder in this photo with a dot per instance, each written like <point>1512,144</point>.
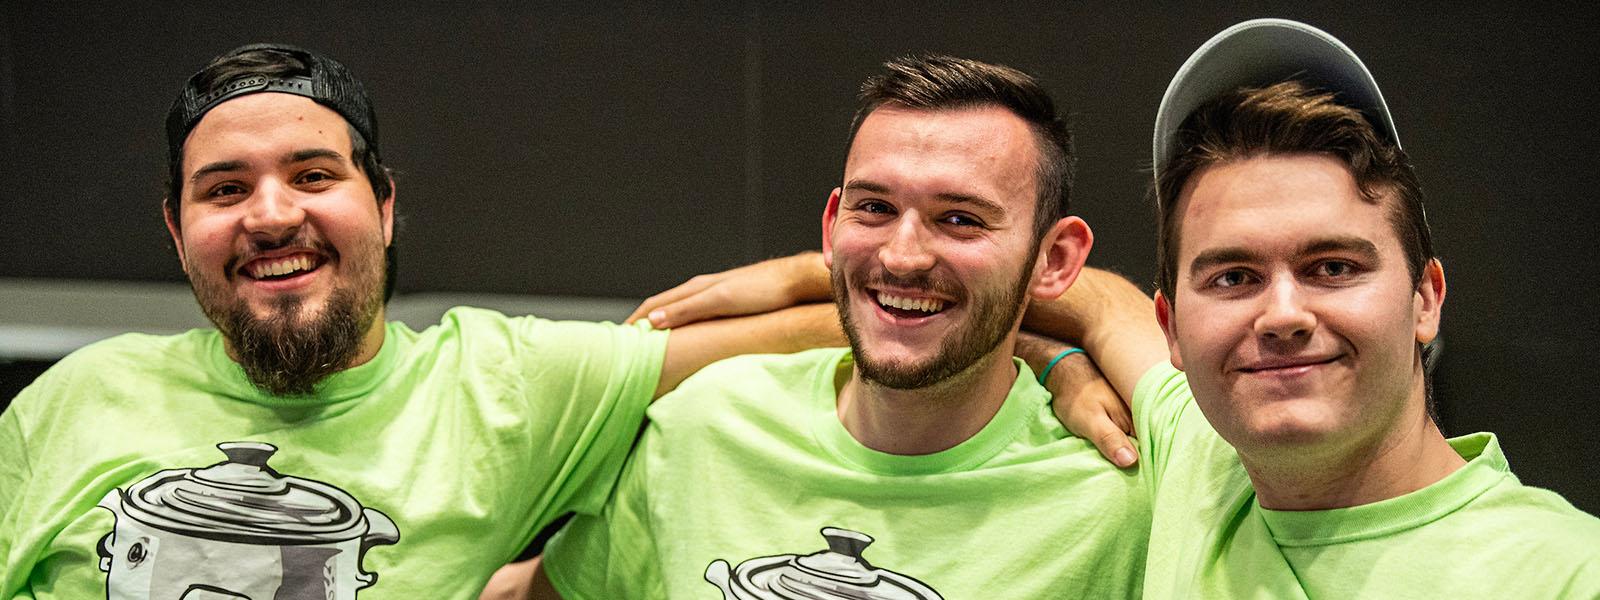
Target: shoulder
<point>751,382</point>
<point>121,356</point>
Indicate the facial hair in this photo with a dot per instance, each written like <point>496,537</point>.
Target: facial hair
<point>991,316</point>
<point>288,352</point>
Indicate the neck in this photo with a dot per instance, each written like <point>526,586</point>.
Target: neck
<point>930,419</point>
<point>1404,460</point>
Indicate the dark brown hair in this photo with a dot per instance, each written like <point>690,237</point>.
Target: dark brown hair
<point>1285,118</point>
<point>1292,117</point>
<point>935,82</point>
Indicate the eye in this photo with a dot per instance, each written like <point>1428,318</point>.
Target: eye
<point>875,207</point>
<point>1334,269</point>
<point>962,220</point>
<point>314,177</point>
<point>1232,278</point>
<point>225,190</point>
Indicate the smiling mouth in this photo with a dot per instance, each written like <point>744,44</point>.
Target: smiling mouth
<point>281,268</point>
<point>906,307</point>
<point>1284,366</point>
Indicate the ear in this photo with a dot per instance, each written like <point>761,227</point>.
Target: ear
<point>1062,252</point>
<point>1429,301</point>
<point>1164,316</point>
<point>829,213</point>
<point>386,214</point>
<point>173,230</point>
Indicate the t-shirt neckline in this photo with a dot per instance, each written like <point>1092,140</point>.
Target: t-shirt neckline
<point>1486,467</point>
<point>338,387</point>
<point>1024,397</point>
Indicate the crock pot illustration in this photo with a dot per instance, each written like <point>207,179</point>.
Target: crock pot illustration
<point>836,573</point>
<point>238,529</point>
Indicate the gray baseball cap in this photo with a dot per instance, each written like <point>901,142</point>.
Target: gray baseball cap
<point>1262,52</point>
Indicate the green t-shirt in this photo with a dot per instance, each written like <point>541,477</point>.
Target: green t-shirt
<point>1477,533</point>
<point>744,466</point>
<point>444,455</point>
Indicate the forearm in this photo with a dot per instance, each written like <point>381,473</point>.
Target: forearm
<point>789,330</point>
<point>1109,318</point>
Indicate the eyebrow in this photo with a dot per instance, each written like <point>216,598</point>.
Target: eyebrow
<point>231,166</point>
<point>878,188</point>
<point>1237,254</point>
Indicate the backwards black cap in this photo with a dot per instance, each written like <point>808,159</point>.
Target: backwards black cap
<point>327,82</point>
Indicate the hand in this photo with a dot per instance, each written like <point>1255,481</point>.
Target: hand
<point>1089,407</point>
<point>752,289</point>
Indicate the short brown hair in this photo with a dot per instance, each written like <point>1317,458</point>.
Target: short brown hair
<point>1289,117</point>
<point>935,82</point>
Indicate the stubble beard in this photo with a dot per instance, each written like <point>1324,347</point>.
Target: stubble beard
<point>992,315</point>
<point>289,352</point>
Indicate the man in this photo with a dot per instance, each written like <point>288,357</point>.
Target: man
<point>1299,293</point>
<point>924,458</point>
<point>307,448</point>
<point>278,455</point>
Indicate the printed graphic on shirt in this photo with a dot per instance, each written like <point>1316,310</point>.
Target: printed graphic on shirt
<point>836,573</point>
<point>238,529</point>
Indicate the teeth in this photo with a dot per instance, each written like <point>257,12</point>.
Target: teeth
<point>927,305</point>
<point>281,267</point>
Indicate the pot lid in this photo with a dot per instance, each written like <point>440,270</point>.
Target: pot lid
<point>836,573</point>
<point>243,500</point>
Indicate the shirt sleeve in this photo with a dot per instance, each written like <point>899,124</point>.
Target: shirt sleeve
<point>590,384</point>
<point>612,554</point>
<point>1159,401</point>
<point>17,530</point>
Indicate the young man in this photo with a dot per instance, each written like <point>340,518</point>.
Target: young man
<point>277,456</point>
<point>922,462</point>
<point>1299,293</point>
<point>306,448</point>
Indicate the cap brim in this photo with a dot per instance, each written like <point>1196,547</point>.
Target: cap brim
<point>1262,52</point>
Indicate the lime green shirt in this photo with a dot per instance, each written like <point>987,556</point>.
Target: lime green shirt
<point>746,464</point>
<point>1477,533</point>
<point>468,437</point>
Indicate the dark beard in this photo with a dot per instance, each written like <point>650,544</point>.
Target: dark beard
<point>993,315</point>
<point>284,357</point>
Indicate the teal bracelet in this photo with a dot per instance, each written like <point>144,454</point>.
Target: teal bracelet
<point>1046,372</point>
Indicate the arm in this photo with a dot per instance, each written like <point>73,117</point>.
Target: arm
<point>757,288</point>
<point>519,580</point>
<point>1111,319</point>
<point>1082,399</point>
<point>789,330</point>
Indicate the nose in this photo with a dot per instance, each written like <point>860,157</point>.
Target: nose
<point>1286,315</point>
<point>273,211</point>
<point>906,250</point>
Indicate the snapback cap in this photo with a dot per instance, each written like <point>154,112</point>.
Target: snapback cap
<point>327,82</point>
<point>1263,52</point>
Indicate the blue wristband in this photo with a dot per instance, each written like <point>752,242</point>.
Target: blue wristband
<point>1046,372</point>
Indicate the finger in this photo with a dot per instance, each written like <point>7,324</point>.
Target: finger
<point>683,290</point>
<point>1114,444</point>
<point>1099,427</point>
<point>708,304</point>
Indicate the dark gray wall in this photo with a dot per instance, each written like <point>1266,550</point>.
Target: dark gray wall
<point>575,149</point>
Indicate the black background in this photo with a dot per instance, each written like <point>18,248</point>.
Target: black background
<point>616,150</point>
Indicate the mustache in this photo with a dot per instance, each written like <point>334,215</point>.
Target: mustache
<point>922,281</point>
<point>300,240</point>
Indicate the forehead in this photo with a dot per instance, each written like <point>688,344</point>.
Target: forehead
<point>983,148</point>
<point>1274,205</point>
<point>261,125</point>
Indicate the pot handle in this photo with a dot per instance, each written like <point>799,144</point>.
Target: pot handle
<point>381,531</point>
<point>103,548</point>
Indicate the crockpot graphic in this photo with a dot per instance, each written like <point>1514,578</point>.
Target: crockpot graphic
<point>836,573</point>
<point>238,529</point>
